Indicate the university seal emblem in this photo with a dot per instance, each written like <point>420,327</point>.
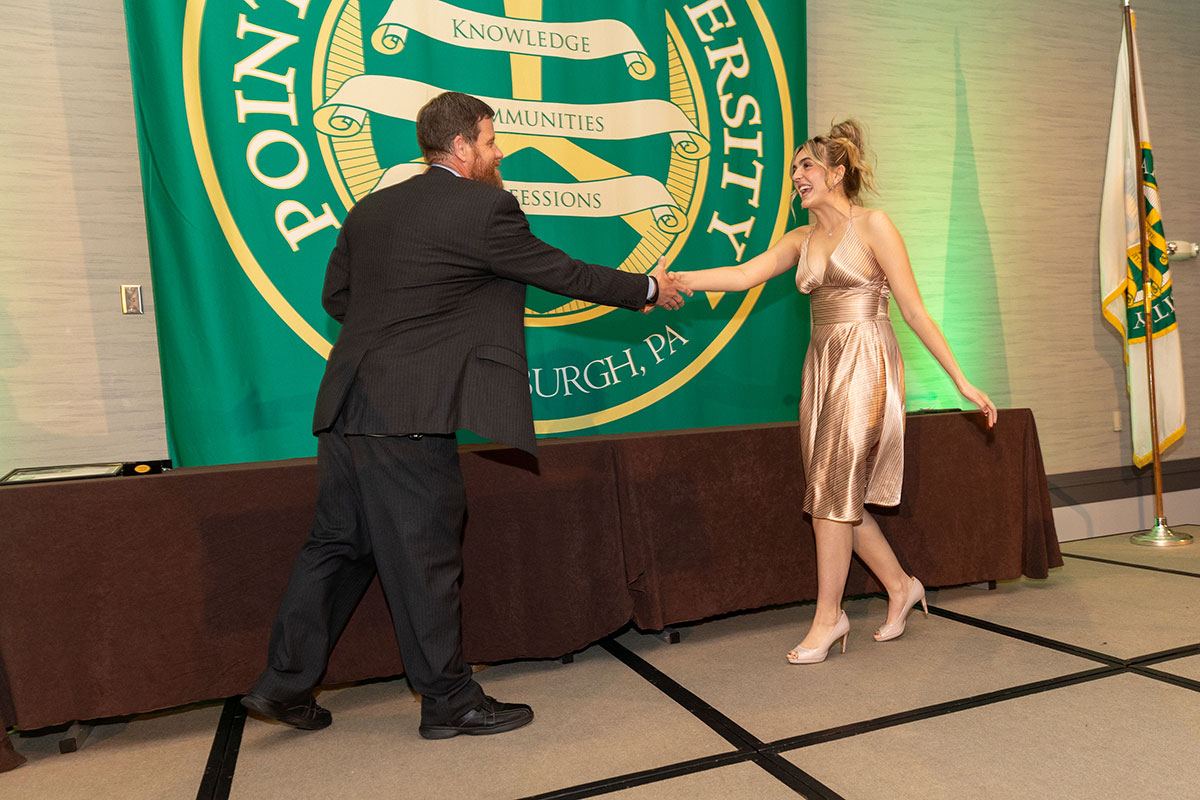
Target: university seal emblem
<point>631,131</point>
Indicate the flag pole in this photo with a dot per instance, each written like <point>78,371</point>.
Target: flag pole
<point>1160,534</point>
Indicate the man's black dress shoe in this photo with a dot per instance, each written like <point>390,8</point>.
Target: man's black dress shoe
<point>490,716</point>
<point>301,713</point>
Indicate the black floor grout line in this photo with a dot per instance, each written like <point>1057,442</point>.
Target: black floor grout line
<point>1164,655</point>
<point>750,748</point>
<point>222,760</point>
<point>746,742</point>
<point>795,778</point>
<point>1130,564</point>
<point>222,756</point>
<point>632,779</point>
<point>941,709</point>
<point>1167,677</point>
<point>1025,636</point>
<point>733,733</point>
<point>1065,647</point>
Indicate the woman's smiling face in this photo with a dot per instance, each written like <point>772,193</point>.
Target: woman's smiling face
<point>808,178</point>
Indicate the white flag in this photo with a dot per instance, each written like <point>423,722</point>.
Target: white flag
<point>1121,273</point>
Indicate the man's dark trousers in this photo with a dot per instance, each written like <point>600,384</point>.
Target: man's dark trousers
<point>392,504</point>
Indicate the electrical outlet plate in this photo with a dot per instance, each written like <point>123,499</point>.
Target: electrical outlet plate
<point>131,299</point>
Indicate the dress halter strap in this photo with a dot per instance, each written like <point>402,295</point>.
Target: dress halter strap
<point>811,228</point>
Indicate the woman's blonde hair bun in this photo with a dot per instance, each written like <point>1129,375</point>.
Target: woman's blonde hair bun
<point>843,147</point>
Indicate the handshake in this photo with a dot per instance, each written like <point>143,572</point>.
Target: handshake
<point>671,288</point>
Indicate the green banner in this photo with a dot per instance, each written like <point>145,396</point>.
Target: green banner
<point>632,130</point>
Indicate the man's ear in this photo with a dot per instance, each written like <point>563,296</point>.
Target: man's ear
<point>459,147</point>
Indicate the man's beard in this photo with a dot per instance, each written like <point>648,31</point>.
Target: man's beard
<point>486,173</point>
<point>485,170</point>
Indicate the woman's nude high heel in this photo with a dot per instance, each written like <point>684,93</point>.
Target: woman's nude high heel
<point>892,630</point>
<point>815,655</point>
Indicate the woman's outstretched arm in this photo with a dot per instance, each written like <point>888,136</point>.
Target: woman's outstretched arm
<point>885,241</point>
<point>780,257</point>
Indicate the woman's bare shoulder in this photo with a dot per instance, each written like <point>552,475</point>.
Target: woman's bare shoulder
<point>877,223</point>
<point>872,216</point>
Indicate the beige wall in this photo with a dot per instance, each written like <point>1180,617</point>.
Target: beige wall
<point>1031,86</point>
<point>79,382</point>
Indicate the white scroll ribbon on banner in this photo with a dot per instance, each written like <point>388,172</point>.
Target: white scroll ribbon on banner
<point>595,39</point>
<point>612,197</point>
<point>343,114</point>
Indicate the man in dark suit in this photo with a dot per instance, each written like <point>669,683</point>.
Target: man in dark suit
<point>428,280</point>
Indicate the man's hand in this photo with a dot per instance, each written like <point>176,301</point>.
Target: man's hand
<point>670,290</point>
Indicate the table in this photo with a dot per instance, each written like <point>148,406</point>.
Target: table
<point>125,595</point>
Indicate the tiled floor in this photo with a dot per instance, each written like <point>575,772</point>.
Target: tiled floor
<point>1083,685</point>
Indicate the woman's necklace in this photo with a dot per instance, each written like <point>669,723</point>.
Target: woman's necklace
<point>832,230</point>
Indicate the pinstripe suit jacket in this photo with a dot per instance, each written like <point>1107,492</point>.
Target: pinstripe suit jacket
<point>428,280</point>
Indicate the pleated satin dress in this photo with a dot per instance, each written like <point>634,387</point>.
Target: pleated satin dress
<point>852,400</point>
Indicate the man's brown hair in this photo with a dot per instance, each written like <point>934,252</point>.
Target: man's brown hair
<point>446,116</point>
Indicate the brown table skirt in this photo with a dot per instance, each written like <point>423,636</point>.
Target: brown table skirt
<point>126,595</point>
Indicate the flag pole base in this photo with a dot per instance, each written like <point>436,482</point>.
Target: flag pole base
<point>1161,536</point>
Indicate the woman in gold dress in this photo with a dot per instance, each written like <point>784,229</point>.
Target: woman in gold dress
<point>849,259</point>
